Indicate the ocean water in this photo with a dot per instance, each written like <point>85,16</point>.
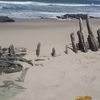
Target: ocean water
<point>35,9</point>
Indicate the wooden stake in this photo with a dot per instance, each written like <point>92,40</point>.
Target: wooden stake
<point>91,39</point>
<point>80,25</point>
<point>38,49</point>
<point>53,53</point>
<point>11,50</point>
<point>82,45</point>
<point>98,33</point>
<point>66,49</point>
<point>73,42</point>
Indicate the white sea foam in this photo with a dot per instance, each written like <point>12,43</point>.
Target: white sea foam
<point>45,4</point>
<point>30,9</point>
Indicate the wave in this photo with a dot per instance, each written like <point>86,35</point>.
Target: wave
<point>29,9</point>
<point>45,4</point>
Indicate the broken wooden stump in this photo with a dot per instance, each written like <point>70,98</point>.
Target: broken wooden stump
<point>81,45</point>
<point>91,39</point>
<point>53,53</point>
<point>1,52</point>
<point>12,67</point>
<point>11,50</point>
<point>66,49</point>
<point>73,43</point>
<point>38,49</point>
<point>98,33</point>
<point>80,25</point>
<point>10,59</point>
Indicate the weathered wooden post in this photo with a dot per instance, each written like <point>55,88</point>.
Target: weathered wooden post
<point>66,49</point>
<point>91,39</point>
<point>80,25</point>
<point>38,49</point>
<point>98,33</point>
<point>53,53</point>
<point>1,52</point>
<point>82,44</point>
<point>11,50</point>
<point>73,42</point>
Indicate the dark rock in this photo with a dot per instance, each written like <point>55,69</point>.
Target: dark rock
<point>6,19</point>
<point>76,16</point>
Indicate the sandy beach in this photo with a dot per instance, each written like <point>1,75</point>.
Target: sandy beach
<point>55,78</point>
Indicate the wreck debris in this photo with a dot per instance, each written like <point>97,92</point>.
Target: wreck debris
<point>66,49</point>
<point>8,58</point>
<point>98,33</point>
<point>53,53</point>
<point>82,44</point>
<point>91,39</point>
<point>73,42</point>
<point>38,49</point>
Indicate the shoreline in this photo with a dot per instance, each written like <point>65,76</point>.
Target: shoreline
<point>58,17</point>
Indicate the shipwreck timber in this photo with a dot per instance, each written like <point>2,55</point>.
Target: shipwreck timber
<point>10,59</point>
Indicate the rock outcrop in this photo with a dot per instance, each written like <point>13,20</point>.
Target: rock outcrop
<point>6,19</point>
<point>76,16</point>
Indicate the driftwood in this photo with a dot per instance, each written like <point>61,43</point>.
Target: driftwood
<point>73,42</point>
<point>8,59</point>
<point>82,44</point>
<point>38,49</point>
<point>10,67</point>
<point>91,39</point>
<point>14,58</point>
<point>11,51</point>
<point>53,53</point>
<point>98,33</point>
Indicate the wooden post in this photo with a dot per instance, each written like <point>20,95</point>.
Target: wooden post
<point>98,33</point>
<point>1,52</point>
<point>66,49</point>
<point>53,53</point>
<point>82,44</point>
<point>88,26</point>
<point>91,39</point>
<point>80,25</point>
<point>38,49</point>
<point>11,50</point>
<point>73,42</point>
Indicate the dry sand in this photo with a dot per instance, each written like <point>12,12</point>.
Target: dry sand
<point>59,78</point>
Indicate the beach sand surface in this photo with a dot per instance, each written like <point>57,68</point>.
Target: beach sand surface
<point>52,78</point>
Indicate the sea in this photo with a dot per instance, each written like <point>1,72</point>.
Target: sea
<point>36,9</point>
